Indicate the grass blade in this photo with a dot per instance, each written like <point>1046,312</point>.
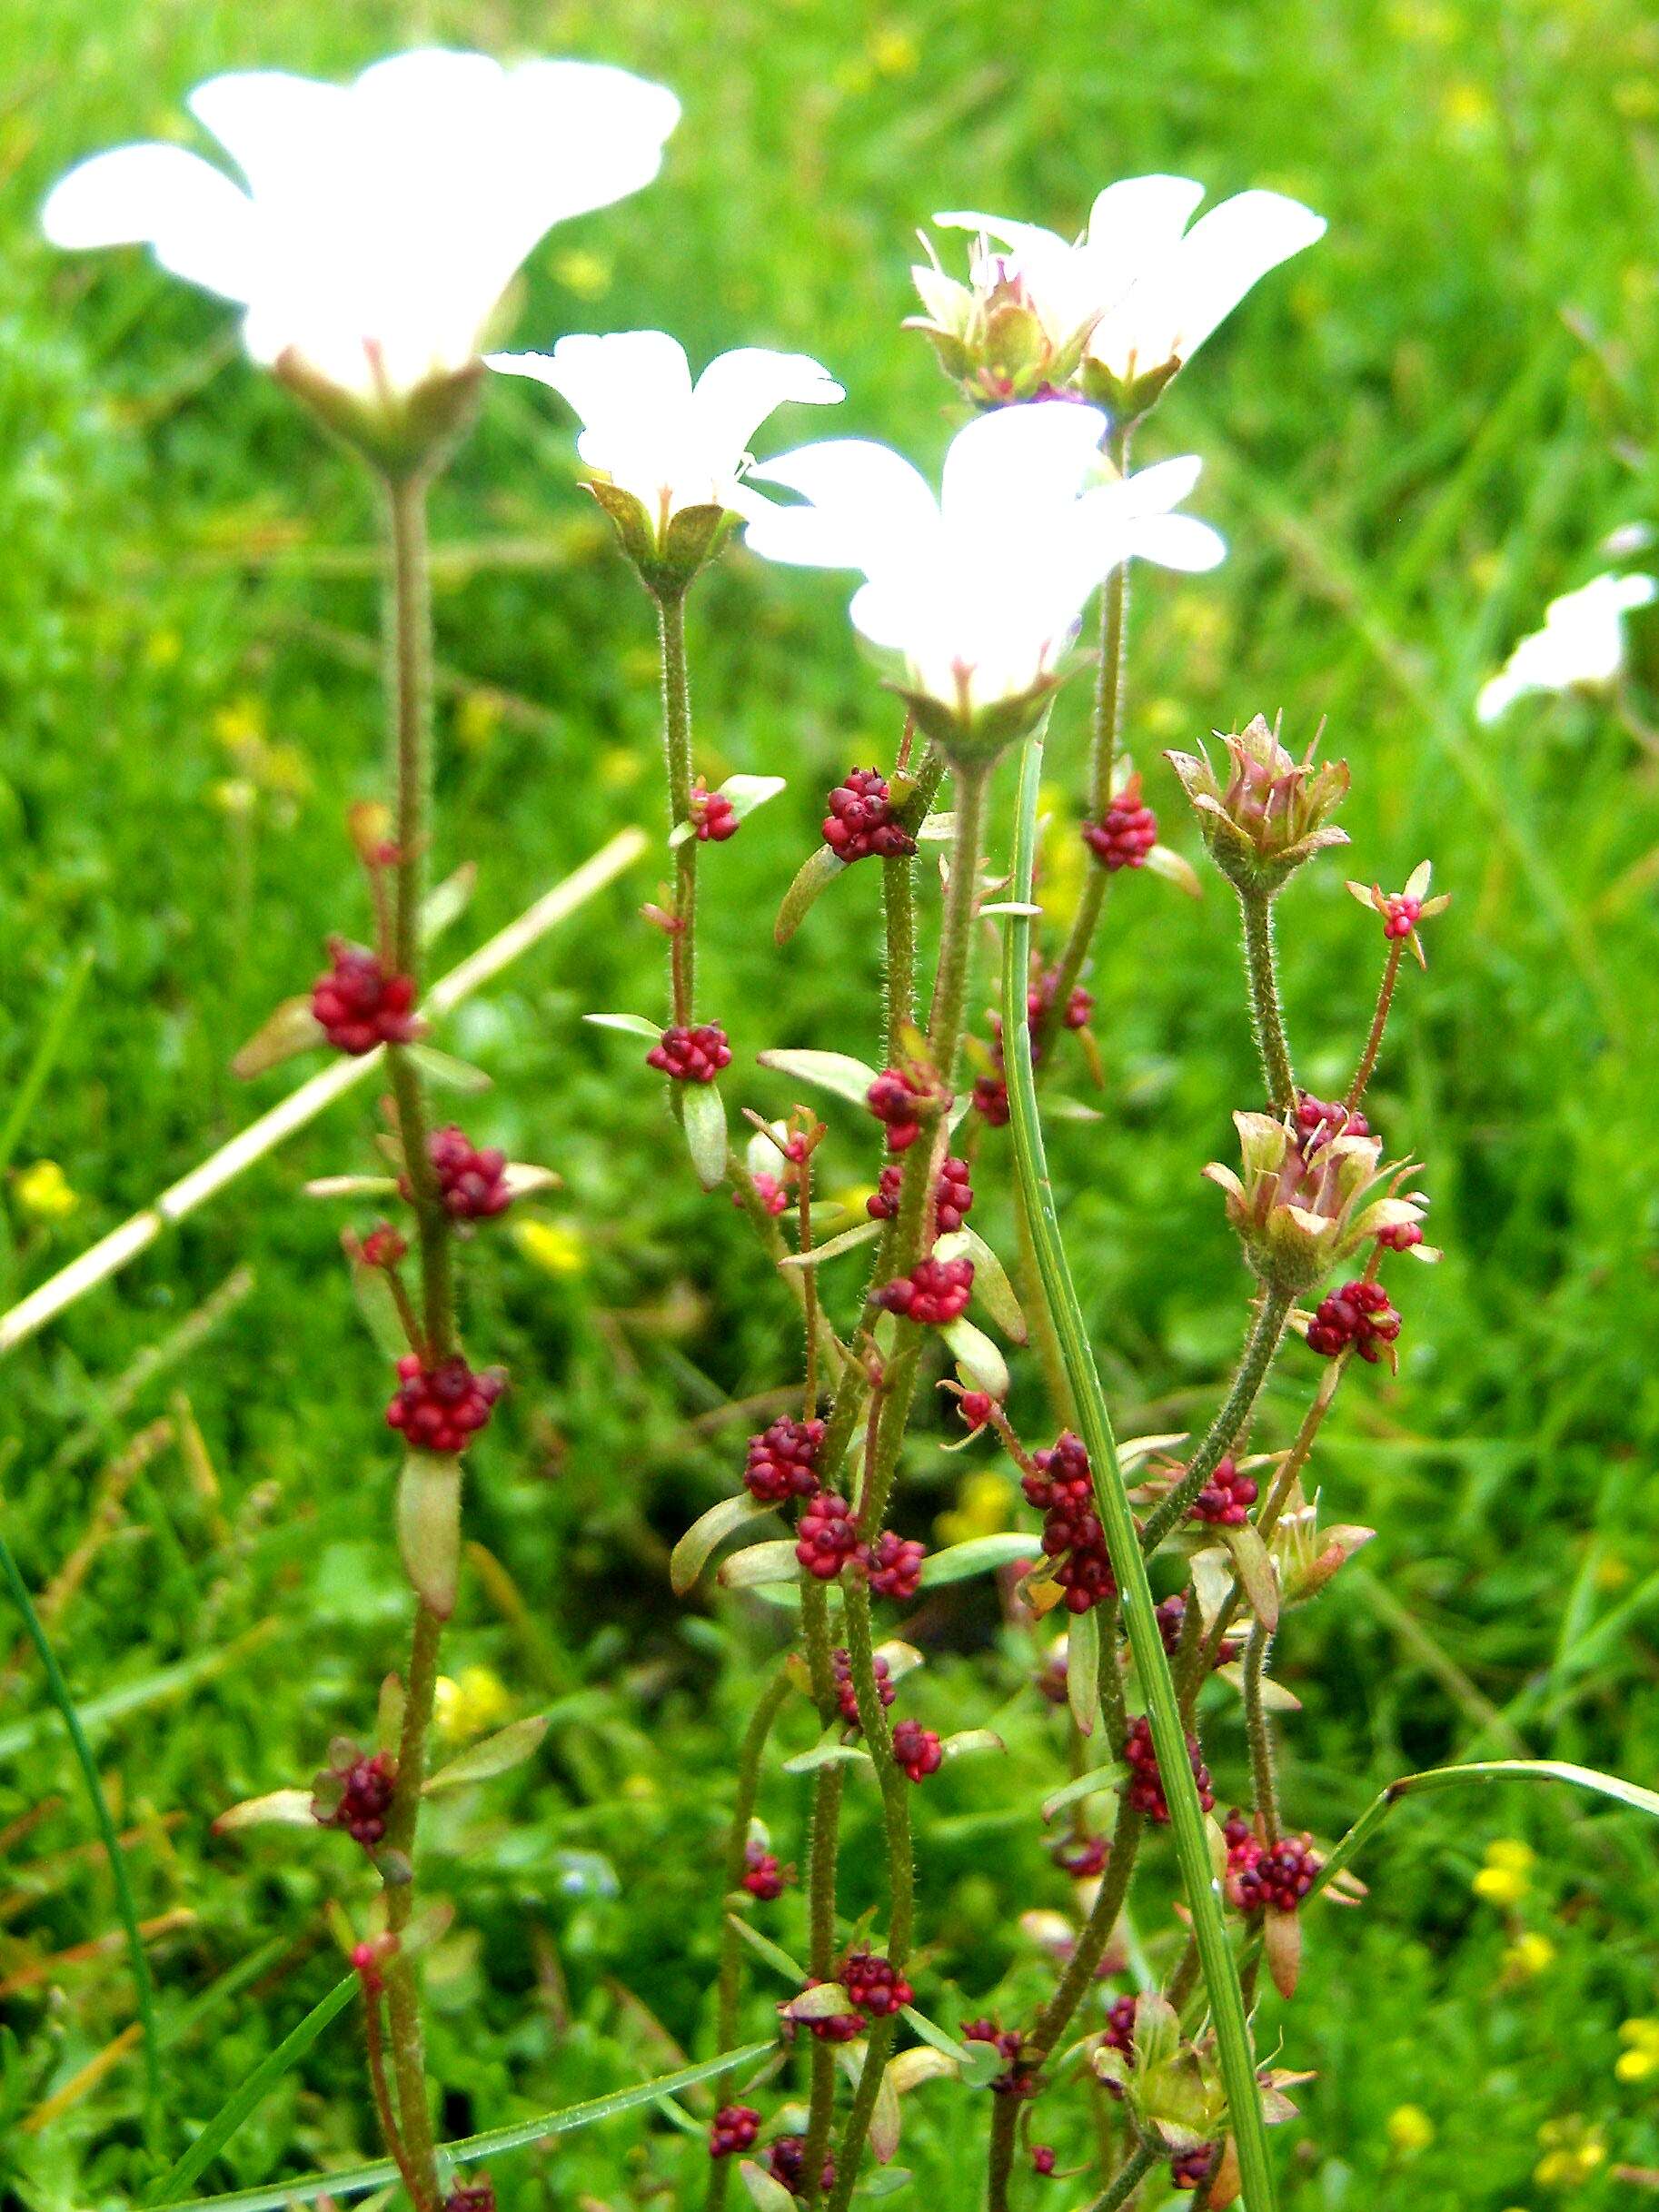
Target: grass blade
<point>1151,1662</point>
<point>45,1059</point>
<point>58,1690</point>
<point>352,2181</point>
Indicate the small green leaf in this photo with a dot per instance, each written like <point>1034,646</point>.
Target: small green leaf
<point>830,1753</point>
<point>766,2194</point>
<point>280,1808</point>
<point>703,1120</point>
<point>630,1025</point>
<point>820,867</point>
<point>836,1072</point>
<point>775,1955</point>
<point>291,1029</point>
<point>748,792</point>
<point>1083,1669</point>
<point>1256,1572</point>
<point>447,901</point>
<point>428,1527</point>
<point>833,1247</point>
<point>1276,1698</point>
<point>822,2001</point>
<point>376,1302</point>
<point>350,1187</point>
<point>886,2120</point>
<point>1092,1784</point>
<point>1174,868</point>
<point>692,1553</point>
<point>976,2063</point>
<point>761,1562</point>
<point>979,1555</point>
<point>966,1741</point>
<point>448,1073</point>
<point>936,829</point>
<point>508,1748</point>
<point>979,1362</point>
<point>992,1285</point>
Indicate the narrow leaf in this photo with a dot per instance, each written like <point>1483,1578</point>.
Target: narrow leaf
<point>978,1362</point>
<point>826,1755</point>
<point>833,1247</point>
<point>448,1073</point>
<point>447,901</point>
<point>820,867</point>
<point>1092,1784</point>
<point>292,1029</point>
<point>822,2001</point>
<point>966,1741</point>
<point>775,1955</point>
<point>630,1025</point>
<point>1177,869</point>
<point>692,1553</point>
<point>992,1285</point>
<point>1256,1574</point>
<point>886,2120</point>
<point>508,1748</point>
<point>979,1555</point>
<point>703,1118</point>
<point>748,792</point>
<point>279,1809</point>
<point>1083,1669</point>
<point>761,1563</point>
<point>835,1071</point>
<point>766,2194</point>
<point>376,1301</point>
<point>428,1527</point>
<point>1276,1698</point>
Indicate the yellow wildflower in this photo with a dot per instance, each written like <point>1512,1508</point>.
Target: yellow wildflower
<point>471,1704</point>
<point>894,51</point>
<point>1528,1956</point>
<point>241,722</point>
<point>1505,1876</point>
<point>556,1250</point>
<point>42,1192</point>
<point>1573,2151</point>
<point>1639,2057</point>
<point>1409,2129</point>
<point>984,1504</point>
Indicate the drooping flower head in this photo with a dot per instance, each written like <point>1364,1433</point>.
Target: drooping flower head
<point>978,587</point>
<point>1271,813</point>
<point>1582,643</point>
<point>378,223</point>
<point>670,448</point>
<point>1119,309</point>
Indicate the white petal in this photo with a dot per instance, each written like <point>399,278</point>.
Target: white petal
<point>1227,252</point>
<point>1018,237</point>
<point>1133,227</point>
<point>1157,490</point>
<point>737,391</point>
<point>1016,462</point>
<point>1179,541</point>
<point>867,506</point>
<point>625,377</point>
<point>190,213</point>
<point>270,123</point>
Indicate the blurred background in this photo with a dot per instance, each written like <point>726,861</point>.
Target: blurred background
<point>1414,435</point>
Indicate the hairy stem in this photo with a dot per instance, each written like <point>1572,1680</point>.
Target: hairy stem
<point>1259,1731</point>
<point>381,2089</point>
<point>1266,1013</point>
<point>1261,1346</point>
<point>899,909</point>
<point>1379,1022</point>
<point>677,751</point>
<point>970,779</point>
<point>823,1837</point>
<point>1139,2166</point>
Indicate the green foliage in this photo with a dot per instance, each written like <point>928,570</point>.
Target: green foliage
<point>1409,450</point>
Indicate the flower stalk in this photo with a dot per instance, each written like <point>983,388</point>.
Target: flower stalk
<point>677,754</point>
<point>1266,1011</point>
<point>1261,1347</point>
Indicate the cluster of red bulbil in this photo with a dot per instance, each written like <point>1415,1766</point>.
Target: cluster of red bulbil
<point>1013,2082</point>
<point>861,822</point>
<point>1082,1857</point>
<point>769,1190</point>
<point>1145,1790</point>
<point>733,2130</point>
<point>383,1247</point>
<point>1401,1237</point>
<point>471,1182</point>
<point>1119,2030</point>
<point>1190,2169</point>
<point>358,1003</point>
<point>782,1461</point>
<point>953,1195</point>
<point>690,1056</point>
<point>918,1750</point>
<point>892,1565</point>
<point>1226,1500</point>
<point>763,1877</point>
<point>361,1791</point>
<point>441,1408</point>
<point>991,1100</point>
<point>1061,1487</point>
<point>784,2161</point>
<point>874,1984</point>
<point>830,2027</point>
<point>935,1293</point>
<point>827,1535</point>
<point>1320,1119</point>
<point>1401,916</point>
<point>1259,1875</point>
<point>1080,1004</point>
<point>1360,1315</point>
<point>1171,1614</point>
<point>1043,2160</point>
<point>1125,833</point>
<point>896,1099</point>
<point>470,2196</point>
<point>846,1694</point>
<point>714,818</point>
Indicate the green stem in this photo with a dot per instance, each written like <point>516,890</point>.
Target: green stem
<point>1259,1731</point>
<point>126,1908</point>
<point>1097,1933</point>
<point>1139,2166</point>
<point>768,1706</point>
<point>823,1844</point>
<point>677,750</point>
<point>1261,1346</point>
<point>899,908</point>
<point>402,1988</point>
<point>1379,1022</point>
<point>970,779</point>
<point>1168,1731</point>
<point>1266,1013</point>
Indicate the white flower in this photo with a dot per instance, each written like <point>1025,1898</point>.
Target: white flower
<point>379,223</point>
<point>1582,642</point>
<point>670,444</point>
<point>1150,290</point>
<point>979,588</point>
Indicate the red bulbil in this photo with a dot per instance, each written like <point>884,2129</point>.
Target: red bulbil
<point>1171,1614</point>
<point>893,1566</point>
<point>834,2027</point>
<point>782,1461</point>
<point>1360,1315</point>
<point>918,1750</point>
<point>713,817</point>
<point>690,1056</point>
<point>1119,2034</point>
<point>1060,1485</point>
<point>1226,1500</point>
<point>383,1247</point>
<point>1191,2167</point>
<point>953,1195</point>
<point>1083,1857</point>
<point>934,1294</point>
<point>1402,1237</point>
<point>769,1191</point>
<point>733,2130</point>
<point>355,1795</point>
<point>1043,2159</point>
<point>896,1100</point>
<point>1320,1119</point>
<point>1401,916</point>
<point>874,1984</point>
<point>1146,1786</point>
<point>441,1408</point>
<point>861,822</point>
<point>1125,833</point>
<point>784,2161</point>
<point>1079,1003</point>
<point>472,1184</point>
<point>359,1003</point>
<point>991,1100</point>
<point>976,1407</point>
<point>846,1694</point>
<point>470,2196</point>
<point>1013,2082</point>
<point>828,1536</point>
<point>763,1877</point>
<point>1277,1874</point>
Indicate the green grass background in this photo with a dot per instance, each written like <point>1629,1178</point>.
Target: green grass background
<point>1413,436</point>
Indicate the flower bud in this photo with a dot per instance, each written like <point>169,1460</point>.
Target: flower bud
<point>1273,811</point>
<point>1299,1205</point>
<point>993,336</point>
